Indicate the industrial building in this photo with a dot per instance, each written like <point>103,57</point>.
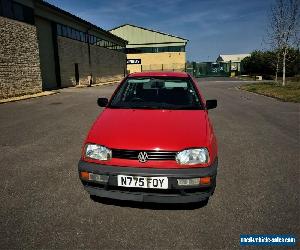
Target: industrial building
<point>233,61</point>
<point>43,47</point>
<point>150,50</point>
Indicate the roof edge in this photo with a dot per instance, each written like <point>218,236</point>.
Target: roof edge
<point>159,32</point>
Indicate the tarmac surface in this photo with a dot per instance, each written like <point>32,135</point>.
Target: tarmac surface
<point>43,203</point>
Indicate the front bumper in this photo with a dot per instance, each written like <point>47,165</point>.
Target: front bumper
<point>174,193</point>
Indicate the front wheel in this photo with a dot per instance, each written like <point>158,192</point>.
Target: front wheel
<point>204,202</point>
<point>214,187</point>
<point>94,198</point>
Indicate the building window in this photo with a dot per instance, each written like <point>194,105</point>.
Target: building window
<point>58,29</point>
<point>155,49</point>
<point>16,11</point>
<point>66,31</point>
<point>69,32</point>
<point>77,37</point>
<point>81,36</point>
<point>73,34</point>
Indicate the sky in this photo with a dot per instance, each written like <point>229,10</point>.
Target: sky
<point>212,27</point>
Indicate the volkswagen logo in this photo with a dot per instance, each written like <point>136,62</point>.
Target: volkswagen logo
<point>143,157</point>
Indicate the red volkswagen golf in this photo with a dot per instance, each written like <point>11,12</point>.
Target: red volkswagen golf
<point>153,142</point>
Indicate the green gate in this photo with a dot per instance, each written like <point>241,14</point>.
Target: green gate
<point>207,69</point>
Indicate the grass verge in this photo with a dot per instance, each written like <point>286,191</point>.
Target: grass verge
<point>289,93</point>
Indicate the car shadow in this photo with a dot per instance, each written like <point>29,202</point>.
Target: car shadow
<point>149,205</point>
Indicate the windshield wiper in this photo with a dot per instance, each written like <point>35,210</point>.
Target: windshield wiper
<point>161,107</point>
<point>185,108</point>
<point>118,107</point>
<point>146,107</point>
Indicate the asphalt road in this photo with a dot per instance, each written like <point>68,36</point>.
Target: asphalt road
<point>43,204</point>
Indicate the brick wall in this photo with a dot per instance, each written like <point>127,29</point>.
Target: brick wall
<point>107,65</point>
<point>19,59</point>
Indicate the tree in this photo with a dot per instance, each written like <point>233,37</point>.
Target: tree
<point>259,63</point>
<point>265,63</point>
<point>284,30</point>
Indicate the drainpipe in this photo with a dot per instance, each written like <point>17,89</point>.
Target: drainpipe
<point>90,77</point>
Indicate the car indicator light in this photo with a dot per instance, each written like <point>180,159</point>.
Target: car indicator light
<point>85,175</point>
<point>205,180</point>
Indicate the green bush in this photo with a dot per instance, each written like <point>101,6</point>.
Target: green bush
<point>264,63</point>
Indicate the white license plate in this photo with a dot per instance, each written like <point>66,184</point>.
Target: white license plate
<point>142,182</point>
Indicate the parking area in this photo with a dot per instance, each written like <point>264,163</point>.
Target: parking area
<point>43,204</point>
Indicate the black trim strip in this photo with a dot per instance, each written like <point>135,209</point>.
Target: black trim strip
<point>151,43</point>
<point>168,172</point>
<point>152,155</point>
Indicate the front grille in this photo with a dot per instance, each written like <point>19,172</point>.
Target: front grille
<point>152,155</point>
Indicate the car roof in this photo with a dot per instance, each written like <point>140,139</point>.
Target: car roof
<point>159,73</point>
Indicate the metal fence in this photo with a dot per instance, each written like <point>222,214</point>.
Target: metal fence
<point>206,69</point>
<point>200,69</point>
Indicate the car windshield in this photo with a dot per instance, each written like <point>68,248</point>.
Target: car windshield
<point>157,93</point>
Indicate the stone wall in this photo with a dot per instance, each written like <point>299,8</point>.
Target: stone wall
<point>106,65</point>
<point>20,72</point>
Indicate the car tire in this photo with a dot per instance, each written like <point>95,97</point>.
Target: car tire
<point>214,187</point>
<point>213,191</point>
<point>94,198</point>
<point>204,202</point>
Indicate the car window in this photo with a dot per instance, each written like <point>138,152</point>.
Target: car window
<point>157,93</point>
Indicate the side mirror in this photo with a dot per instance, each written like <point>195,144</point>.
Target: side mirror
<point>211,104</point>
<point>102,102</point>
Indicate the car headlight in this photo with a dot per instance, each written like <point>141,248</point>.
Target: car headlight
<point>97,152</point>
<point>193,156</point>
